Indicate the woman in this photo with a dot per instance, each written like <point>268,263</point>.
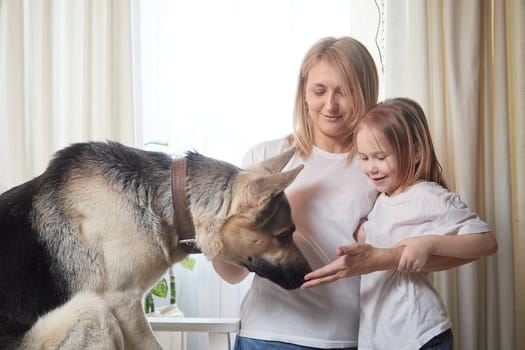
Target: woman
<point>338,83</point>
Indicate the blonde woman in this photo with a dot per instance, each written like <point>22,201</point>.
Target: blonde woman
<point>337,85</point>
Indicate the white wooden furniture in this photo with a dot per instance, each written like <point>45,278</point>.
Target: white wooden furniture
<point>218,329</point>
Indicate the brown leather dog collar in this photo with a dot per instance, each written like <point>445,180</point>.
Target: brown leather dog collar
<point>182,216</point>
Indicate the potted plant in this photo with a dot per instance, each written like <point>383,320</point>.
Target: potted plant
<point>160,289</point>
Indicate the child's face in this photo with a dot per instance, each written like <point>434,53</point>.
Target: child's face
<point>378,161</point>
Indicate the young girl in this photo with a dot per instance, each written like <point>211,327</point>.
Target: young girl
<point>401,309</point>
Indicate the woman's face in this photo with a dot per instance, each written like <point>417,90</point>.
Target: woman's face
<point>378,161</point>
<point>329,107</point>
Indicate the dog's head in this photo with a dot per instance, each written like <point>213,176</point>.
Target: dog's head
<point>254,223</point>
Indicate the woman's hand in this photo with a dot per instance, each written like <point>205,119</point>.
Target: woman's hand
<point>416,253</point>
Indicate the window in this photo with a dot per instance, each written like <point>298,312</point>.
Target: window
<point>220,76</point>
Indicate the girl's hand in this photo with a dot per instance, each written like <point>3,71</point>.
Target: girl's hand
<point>354,259</point>
<point>416,252</point>
<point>350,261</point>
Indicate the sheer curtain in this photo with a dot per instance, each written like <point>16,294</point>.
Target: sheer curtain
<point>462,60</point>
<point>65,76</point>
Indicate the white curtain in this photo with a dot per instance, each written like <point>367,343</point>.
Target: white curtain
<point>65,76</point>
<point>462,60</point>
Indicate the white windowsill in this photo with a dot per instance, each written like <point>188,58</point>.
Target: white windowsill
<point>194,324</point>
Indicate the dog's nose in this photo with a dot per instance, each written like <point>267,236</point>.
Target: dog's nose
<point>288,276</point>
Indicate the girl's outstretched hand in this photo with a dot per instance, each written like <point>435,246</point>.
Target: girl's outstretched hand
<point>353,259</point>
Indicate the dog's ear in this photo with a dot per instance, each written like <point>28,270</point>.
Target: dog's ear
<point>265,187</point>
<point>275,164</point>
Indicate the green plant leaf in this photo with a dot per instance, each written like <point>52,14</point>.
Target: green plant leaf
<point>149,305</point>
<point>188,263</point>
<point>161,288</point>
<point>158,142</point>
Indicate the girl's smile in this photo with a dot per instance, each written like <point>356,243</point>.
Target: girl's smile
<point>377,161</point>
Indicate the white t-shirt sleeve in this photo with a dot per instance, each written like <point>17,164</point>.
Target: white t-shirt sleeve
<point>457,218</point>
<point>248,158</point>
<point>263,151</point>
<point>423,209</point>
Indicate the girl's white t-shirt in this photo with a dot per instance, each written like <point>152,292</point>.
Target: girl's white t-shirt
<point>328,198</point>
<point>401,310</point>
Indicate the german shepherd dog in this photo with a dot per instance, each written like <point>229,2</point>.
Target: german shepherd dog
<point>81,243</point>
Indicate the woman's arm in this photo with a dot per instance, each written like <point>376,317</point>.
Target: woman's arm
<point>231,273</point>
<point>359,234</point>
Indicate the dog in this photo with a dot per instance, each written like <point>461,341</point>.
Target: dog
<point>82,243</point>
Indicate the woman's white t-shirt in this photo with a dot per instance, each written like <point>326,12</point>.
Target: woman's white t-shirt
<point>401,310</point>
<point>328,198</point>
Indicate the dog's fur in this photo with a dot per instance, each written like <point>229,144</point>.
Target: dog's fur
<point>82,243</point>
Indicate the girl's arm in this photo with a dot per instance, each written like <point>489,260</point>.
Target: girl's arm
<point>418,250</point>
<point>354,259</point>
<point>363,258</point>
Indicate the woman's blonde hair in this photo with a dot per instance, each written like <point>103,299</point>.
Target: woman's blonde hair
<point>402,123</point>
<point>355,64</point>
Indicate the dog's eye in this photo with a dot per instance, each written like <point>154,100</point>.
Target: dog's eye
<point>286,236</point>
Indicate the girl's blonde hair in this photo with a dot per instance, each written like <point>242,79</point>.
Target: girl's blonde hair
<point>355,64</point>
<point>402,123</point>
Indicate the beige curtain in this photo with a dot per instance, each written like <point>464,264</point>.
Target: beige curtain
<point>463,61</point>
<point>513,28</point>
<point>65,76</point>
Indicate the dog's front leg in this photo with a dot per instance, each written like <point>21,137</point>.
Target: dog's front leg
<point>135,328</point>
